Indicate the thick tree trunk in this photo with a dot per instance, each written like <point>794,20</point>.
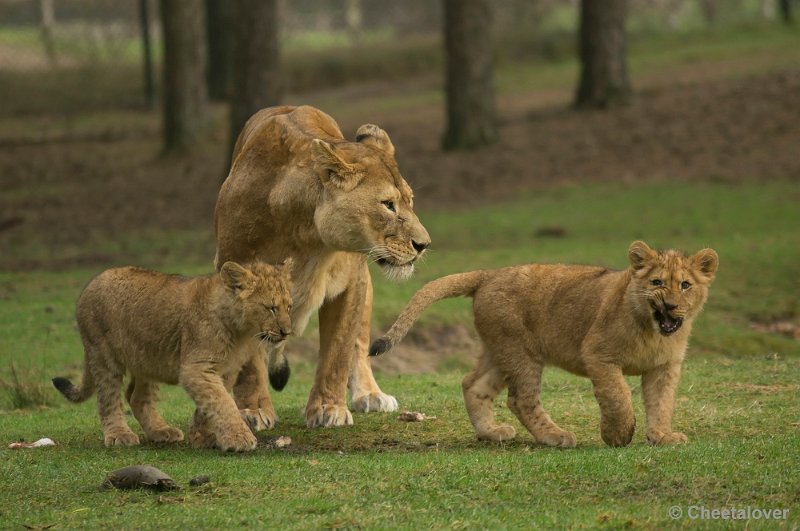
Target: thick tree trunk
<point>147,54</point>
<point>257,79</point>
<point>786,10</point>
<point>219,26</point>
<point>469,84</point>
<point>185,97</point>
<point>604,72</point>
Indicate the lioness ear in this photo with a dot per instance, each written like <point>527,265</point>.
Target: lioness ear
<point>336,171</point>
<point>235,276</point>
<point>706,261</point>
<point>375,136</point>
<point>639,253</point>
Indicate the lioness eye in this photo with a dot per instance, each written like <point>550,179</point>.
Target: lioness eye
<point>686,285</point>
<point>389,205</point>
<point>656,282</point>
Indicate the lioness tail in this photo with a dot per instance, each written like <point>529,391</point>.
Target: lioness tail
<point>458,285</point>
<point>278,369</point>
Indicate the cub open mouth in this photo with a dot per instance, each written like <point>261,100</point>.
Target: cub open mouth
<point>667,325</point>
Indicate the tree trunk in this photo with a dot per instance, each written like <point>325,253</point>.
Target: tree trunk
<point>785,10</point>
<point>186,113</point>
<point>256,61</point>
<point>48,22</point>
<point>604,73</point>
<point>219,25</point>
<point>147,55</point>
<point>468,84</point>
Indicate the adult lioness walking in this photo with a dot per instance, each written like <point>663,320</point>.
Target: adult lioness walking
<point>298,189</point>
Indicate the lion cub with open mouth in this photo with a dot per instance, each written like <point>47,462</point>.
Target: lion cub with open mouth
<point>196,332</point>
<point>587,320</point>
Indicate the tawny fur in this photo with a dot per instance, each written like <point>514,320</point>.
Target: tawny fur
<point>298,189</point>
<point>196,332</point>
<point>587,320</point>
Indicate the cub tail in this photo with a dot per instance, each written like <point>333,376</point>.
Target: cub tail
<point>278,369</point>
<point>458,285</point>
<point>72,393</point>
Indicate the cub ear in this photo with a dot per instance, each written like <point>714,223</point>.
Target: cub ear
<point>375,136</point>
<point>337,172</point>
<point>639,254</point>
<point>235,276</point>
<point>706,261</point>
<point>287,266</point>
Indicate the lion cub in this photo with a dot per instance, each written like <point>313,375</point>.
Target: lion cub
<point>196,332</point>
<point>587,320</point>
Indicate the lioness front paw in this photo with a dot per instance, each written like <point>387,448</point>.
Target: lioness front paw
<point>661,438</point>
<point>501,432</point>
<point>166,434</point>
<point>328,415</point>
<point>121,438</point>
<point>558,439</point>
<point>236,440</point>
<point>374,402</point>
<point>259,419</point>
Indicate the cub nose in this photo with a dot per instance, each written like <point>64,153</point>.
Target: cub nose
<point>285,333</point>
<point>420,246</point>
<point>668,306</point>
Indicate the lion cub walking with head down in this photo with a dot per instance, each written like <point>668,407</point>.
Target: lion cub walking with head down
<point>587,320</point>
<point>196,332</point>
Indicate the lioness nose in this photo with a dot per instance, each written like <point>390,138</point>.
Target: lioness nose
<point>420,246</point>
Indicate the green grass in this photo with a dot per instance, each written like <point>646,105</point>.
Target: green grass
<point>738,400</point>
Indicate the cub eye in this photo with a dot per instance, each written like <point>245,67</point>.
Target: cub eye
<point>686,285</point>
<point>272,309</point>
<point>656,282</point>
<point>389,205</point>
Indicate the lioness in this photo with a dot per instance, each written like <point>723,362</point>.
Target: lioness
<point>298,189</point>
<point>194,332</point>
<point>587,320</point>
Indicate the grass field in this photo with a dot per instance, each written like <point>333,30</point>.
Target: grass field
<point>738,401</point>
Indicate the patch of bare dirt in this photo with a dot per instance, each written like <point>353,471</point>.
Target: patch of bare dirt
<point>785,327</point>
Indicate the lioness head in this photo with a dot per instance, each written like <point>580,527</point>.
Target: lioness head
<point>261,298</point>
<point>672,286</point>
<point>367,206</point>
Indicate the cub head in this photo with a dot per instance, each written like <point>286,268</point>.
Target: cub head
<point>261,298</point>
<point>366,204</point>
<point>669,286</point>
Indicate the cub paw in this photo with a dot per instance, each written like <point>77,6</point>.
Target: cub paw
<point>121,438</point>
<point>167,434</point>
<point>501,432</point>
<point>327,416</point>
<point>374,402</point>
<point>618,434</point>
<point>660,438</point>
<point>236,440</point>
<point>558,439</point>
<point>259,419</point>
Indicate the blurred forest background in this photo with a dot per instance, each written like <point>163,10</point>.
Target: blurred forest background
<point>117,116</point>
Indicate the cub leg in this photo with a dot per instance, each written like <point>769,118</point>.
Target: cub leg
<point>480,387</point>
<point>617,421</point>
<point>658,388</point>
<point>208,391</point>
<point>108,381</point>
<point>252,392</point>
<point>525,382</point>
<point>365,395</point>
<point>142,395</point>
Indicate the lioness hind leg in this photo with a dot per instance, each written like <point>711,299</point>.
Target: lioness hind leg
<point>523,400</point>
<point>108,381</point>
<point>142,395</point>
<point>480,387</point>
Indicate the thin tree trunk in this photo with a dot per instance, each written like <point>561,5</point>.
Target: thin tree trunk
<point>257,81</point>
<point>354,16</point>
<point>604,72</point>
<point>147,54</point>
<point>48,23</point>
<point>186,114</point>
<point>469,88</point>
<point>219,25</point>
